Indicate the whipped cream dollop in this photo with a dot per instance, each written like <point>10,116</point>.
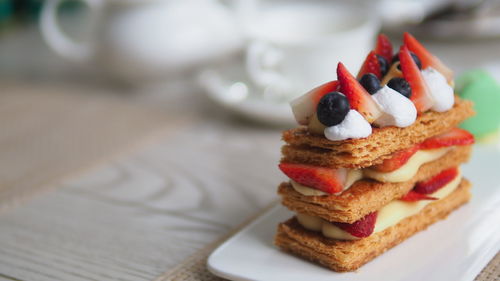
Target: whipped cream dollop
<point>440,90</point>
<point>353,126</point>
<point>397,109</point>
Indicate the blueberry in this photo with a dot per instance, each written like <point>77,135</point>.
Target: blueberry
<point>401,85</point>
<point>370,82</point>
<point>384,65</point>
<point>332,108</point>
<point>413,55</point>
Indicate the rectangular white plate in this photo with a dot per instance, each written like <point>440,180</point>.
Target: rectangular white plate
<point>454,249</point>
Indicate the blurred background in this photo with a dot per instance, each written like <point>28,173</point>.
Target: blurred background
<point>161,119</point>
<point>249,57</point>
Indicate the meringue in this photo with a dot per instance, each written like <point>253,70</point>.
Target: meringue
<point>354,126</point>
<point>397,109</point>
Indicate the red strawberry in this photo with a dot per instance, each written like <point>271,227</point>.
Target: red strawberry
<point>455,136</point>
<point>318,92</point>
<point>397,160</point>
<point>305,106</point>
<point>324,179</point>
<point>384,47</point>
<point>420,94</point>
<point>361,228</point>
<point>433,184</point>
<point>427,59</point>
<point>358,97</point>
<point>413,196</point>
<point>371,65</point>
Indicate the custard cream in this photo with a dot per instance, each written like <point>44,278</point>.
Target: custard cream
<point>402,174</point>
<point>387,216</point>
<point>352,177</point>
<point>410,168</point>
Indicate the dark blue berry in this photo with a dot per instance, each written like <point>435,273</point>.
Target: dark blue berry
<point>332,108</point>
<point>370,82</point>
<point>400,85</point>
<point>413,55</point>
<point>384,65</point>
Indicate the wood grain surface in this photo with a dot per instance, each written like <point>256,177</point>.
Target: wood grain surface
<point>50,132</point>
<point>140,215</point>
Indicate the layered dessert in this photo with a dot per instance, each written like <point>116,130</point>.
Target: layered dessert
<point>376,158</point>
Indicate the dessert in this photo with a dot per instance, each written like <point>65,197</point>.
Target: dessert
<point>376,159</point>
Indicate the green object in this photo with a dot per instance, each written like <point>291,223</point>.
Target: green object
<point>5,10</point>
<point>481,88</point>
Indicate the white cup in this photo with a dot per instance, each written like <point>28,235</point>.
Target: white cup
<point>296,45</point>
<point>142,39</point>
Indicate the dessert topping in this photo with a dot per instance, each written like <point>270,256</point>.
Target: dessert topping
<point>304,106</point>
<point>384,47</point>
<point>441,92</point>
<point>415,58</point>
<point>332,108</point>
<point>353,126</point>
<point>370,82</point>
<point>384,65</point>
<point>420,94</point>
<point>400,85</point>
<point>397,110</point>
<point>428,59</point>
<point>370,65</point>
<point>358,97</point>
<point>378,104</point>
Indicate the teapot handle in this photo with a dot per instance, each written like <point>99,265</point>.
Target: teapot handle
<point>58,40</point>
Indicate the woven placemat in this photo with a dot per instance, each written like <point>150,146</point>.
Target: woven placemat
<point>194,268</point>
<point>49,132</point>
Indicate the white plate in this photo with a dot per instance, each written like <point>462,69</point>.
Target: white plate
<point>454,249</point>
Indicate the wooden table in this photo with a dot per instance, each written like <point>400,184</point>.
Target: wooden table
<point>141,214</point>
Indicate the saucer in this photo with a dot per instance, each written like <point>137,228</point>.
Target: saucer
<point>231,89</point>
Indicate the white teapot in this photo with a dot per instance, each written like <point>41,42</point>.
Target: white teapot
<point>144,39</point>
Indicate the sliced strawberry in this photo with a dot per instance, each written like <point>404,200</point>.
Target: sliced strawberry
<point>358,97</point>
<point>324,179</point>
<point>428,59</point>
<point>397,160</point>
<point>384,47</point>
<point>304,106</point>
<point>455,136</point>
<point>420,94</point>
<point>413,196</point>
<point>361,228</point>
<point>371,65</point>
<point>438,181</point>
<point>318,92</point>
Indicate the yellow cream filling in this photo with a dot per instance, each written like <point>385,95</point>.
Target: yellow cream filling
<point>402,174</point>
<point>410,168</point>
<point>352,177</point>
<point>387,216</point>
